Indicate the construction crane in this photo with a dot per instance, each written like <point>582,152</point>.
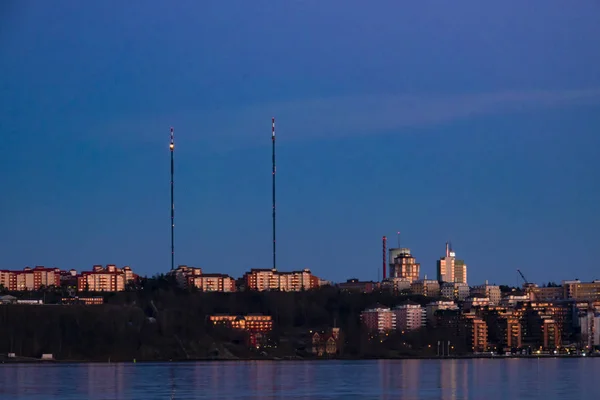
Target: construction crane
<point>528,286</point>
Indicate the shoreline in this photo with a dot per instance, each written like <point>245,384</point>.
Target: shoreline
<point>288,359</point>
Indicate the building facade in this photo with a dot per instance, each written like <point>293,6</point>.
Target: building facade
<point>476,334</point>
<point>254,323</point>
<point>426,287</point>
<point>487,290</point>
<point>271,279</point>
<point>404,265</point>
<point>449,269</point>
<point>105,279</point>
<point>409,317</point>
<point>455,291</point>
<point>379,319</point>
<point>581,291</point>
<point>30,278</point>
<point>211,283</point>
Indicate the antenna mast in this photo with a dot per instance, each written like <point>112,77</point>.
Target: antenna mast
<point>384,256</point>
<point>273,140</point>
<point>172,148</point>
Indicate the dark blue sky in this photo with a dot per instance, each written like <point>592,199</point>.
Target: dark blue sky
<point>467,121</point>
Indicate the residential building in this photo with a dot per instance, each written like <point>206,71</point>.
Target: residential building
<point>433,307</point>
<point>486,290</point>
<point>589,323</point>
<point>251,322</point>
<point>325,343</point>
<point>88,301</point>
<point>379,319</point>
<point>550,293</point>
<point>272,279</point>
<point>108,279</point>
<point>475,301</point>
<point>476,334</point>
<point>183,273</point>
<point>404,265</point>
<point>30,278</point>
<point>551,334</point>
<point>539,329</point>
<point>409,316</point>
<point>211,282</point>
<point>426,287</point>
<point>400,284</point>
<point>581,291</point>
<point>354,285</point>
<point>512,300</point>
<point>455,291</point>
<point>504,331</point>
<point>193,277</point>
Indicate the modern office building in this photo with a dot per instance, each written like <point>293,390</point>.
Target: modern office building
<point>449,269</point>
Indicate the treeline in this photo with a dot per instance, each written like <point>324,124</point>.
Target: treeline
<point>158,321</point>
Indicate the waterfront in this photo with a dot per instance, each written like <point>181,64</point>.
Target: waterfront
<point>386,379</point>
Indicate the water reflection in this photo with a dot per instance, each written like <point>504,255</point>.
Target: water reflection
<point>386,380</point>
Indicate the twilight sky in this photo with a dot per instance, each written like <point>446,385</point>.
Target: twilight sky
<point>466,121</point>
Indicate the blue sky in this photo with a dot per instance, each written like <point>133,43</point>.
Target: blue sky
<point>472,122</point>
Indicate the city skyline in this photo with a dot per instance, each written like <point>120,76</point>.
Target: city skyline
<point>486,140</point>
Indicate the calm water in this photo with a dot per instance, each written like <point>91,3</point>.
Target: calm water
<point>412,379</point>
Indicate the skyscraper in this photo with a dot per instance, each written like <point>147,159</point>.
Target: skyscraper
<point>449,269</point>
<point>445,266</point>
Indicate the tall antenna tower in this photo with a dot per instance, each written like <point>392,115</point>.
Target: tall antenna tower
<point>384,256</point>
<point>273,140</point>
<point>172,148</point>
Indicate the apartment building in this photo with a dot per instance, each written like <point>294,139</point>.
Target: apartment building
<point>487,290</point>
<point>435,306</point>
<point>183,273</point>
<point>551,334</point>
<point>212,282</point>
<point>581,291</point>
<point>409,317</point>
<point>105,279</point>
<point>455,291</point>
<point>379,319</point>
<point>476,333</point>
<point>30,278</point>
<point>272,279</point>
<point>426,287</point>
<point>255,323</point>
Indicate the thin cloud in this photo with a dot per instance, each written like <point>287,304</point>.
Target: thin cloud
<point>346,116</point>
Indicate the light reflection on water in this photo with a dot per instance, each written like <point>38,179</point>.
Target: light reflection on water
<point>392,379</point>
